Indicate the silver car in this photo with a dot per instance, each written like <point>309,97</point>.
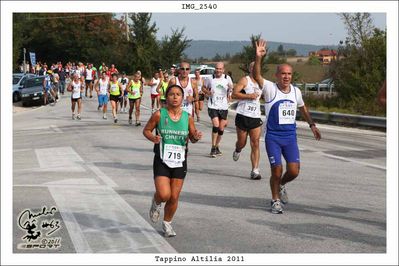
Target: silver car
<point>18,81</point>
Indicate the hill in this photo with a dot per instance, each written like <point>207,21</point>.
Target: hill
<point>208,48</point>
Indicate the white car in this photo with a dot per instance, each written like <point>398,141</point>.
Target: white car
<point>18,81</point>
<point>205,71</point>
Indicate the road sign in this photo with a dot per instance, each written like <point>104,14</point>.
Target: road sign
<point>32,58</point>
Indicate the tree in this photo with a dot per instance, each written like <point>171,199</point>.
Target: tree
<point>144,46</point>
<point>280,50</point>
<point>313,60</point>
<point>275,58</point>
<point>359,75</point>
<point>291,52</point>
<point>172,47</point>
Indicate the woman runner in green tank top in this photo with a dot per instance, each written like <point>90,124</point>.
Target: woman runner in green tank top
<point>173,129</point>
<point>163,85</point>
<point>135,91</point>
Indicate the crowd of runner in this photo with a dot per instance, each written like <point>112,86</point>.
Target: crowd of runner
<point>177,99</point>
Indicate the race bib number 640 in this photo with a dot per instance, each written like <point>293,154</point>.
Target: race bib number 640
<point>286,113</point>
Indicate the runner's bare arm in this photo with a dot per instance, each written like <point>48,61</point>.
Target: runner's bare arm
<point>193,134</point>
<point>260,48</point>
<point>306,115</point>
<point>150,126</point>
<point>237,91</point>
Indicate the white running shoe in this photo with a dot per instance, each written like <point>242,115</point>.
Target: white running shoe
<point>277,207</point>
<point>283,194</point>
<point>104,116</point>
<point>155,211</point>
<point>168,229</point>
<point>236,155</point>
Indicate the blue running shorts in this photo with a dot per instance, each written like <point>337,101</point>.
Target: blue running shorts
<point>278,145</point>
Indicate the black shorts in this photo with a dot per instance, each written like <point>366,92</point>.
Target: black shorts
<point>201,97</point>
<point>247,123</point>
<point>75,99</point>
<point>88,81</point>
<point>132,101</point>
<point>161,169</point>
<point>221,114</point>
<point>115,98</point>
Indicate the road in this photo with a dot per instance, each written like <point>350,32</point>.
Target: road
<point>98,176</point>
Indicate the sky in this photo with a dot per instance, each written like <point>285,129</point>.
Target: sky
<point>304,28</point>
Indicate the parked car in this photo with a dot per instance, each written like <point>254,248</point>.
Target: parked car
<point>205,71</point>
<point>32,91</point>
<point>325,85</point>
<point>18,81</point>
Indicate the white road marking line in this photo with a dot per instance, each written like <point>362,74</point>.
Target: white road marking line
<point>108,181</point>
<point>98,219</point>
<point>59,159</point>
<point>354,161</point>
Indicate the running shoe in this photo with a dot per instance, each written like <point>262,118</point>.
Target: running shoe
<point>155,211</point>
<point>138,124</point>
<point>78,117</point>
<point>115,120</point>
<point>168,229</point>
<point>218,152</point>
<point>213,152</point>
<point>73,116</point>
<point>130,121</point>
<point>255,176</point>
<point>99,108</point>
<point>236,155</point>
<point>283,194</point>
<point>277,207</point>
<point>104,116</point>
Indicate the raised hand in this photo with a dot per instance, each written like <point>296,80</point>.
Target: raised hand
<point>260,48</point>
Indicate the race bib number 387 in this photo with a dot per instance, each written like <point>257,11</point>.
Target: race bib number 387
<point>173,155</point>
<point>286,113</point>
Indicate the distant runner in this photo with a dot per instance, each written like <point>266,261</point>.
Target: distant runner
<point>135,92</point>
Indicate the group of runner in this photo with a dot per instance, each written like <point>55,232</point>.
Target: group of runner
<point>177,98</point>
<point>171,127</point>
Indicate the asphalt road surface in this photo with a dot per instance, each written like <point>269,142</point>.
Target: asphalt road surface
<point>98,176</point>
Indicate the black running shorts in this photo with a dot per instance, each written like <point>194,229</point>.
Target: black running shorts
<point>247,123</point>
<point>161,169</point>
<point>221,114</point>
<point>115,98</point>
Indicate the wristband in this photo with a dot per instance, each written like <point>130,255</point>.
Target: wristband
<point>312,125</point>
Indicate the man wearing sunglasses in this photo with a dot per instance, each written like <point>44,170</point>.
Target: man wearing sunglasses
<point>218,89</point>
<point>189,86</point>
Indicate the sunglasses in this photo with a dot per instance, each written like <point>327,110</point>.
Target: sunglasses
<point>186,69</point>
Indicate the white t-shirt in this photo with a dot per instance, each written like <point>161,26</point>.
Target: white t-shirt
<point>123,82</point>
<point>103,86</point>
<point>220,89</point>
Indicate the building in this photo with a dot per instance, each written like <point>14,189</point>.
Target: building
<point>325,55</point>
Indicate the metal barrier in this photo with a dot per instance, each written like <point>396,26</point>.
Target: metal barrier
<point>347,119</point>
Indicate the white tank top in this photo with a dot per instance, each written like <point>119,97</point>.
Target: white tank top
<point>76,89</point>
<point>188,91</point>
<point>103,86</point>
<point>250,108</point>
<point>155,85</point>
<point>220,89</point>
<point>199,85</point>
<point>89,74</point>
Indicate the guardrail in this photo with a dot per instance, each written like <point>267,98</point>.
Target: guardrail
<point>346,119</point>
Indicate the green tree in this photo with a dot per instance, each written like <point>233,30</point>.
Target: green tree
<point>280,50</point>
<point>291,52</point>
<point>313,60</point>
<point>359,75</point>
<point>275,58</point>
<point>172,47</point>
<point>144,46</point>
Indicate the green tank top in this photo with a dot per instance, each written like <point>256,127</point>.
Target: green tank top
<point>164,86</point>
<point>135,88</point>
<point>174,135</point>
<point>114,88</point>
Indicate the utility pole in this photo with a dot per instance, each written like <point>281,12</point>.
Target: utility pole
<point>127,27</point>
<point>24,61</point>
